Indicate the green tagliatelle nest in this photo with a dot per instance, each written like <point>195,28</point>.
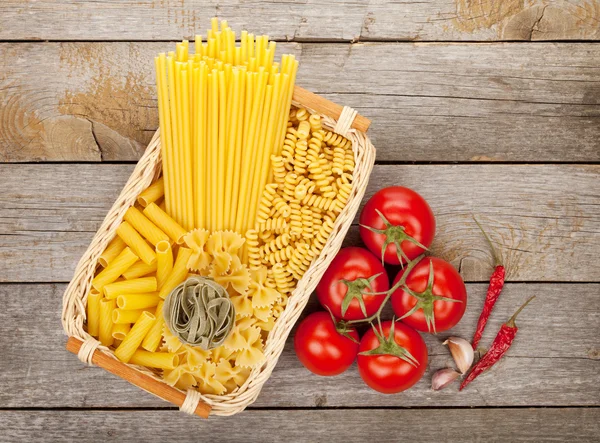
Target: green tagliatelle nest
<point>199,312</point>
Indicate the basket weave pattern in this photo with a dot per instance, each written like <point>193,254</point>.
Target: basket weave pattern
<point>146,171</point>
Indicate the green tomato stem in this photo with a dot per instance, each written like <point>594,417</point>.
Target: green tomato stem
<point>409,267</point>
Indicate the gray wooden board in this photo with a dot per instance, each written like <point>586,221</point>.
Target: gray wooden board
<point>428,101</point>
<point>339,20</point>
<point>489,425</point>
<point>554,360</point>
<point>544,218</point>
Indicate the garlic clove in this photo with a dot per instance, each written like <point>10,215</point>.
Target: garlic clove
<point>462,352</point>
<point>443,378</point>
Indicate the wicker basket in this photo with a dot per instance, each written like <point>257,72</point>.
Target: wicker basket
<point>343,121</point>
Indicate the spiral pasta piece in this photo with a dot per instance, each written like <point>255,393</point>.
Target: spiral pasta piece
<point>339,155</point>
<point>303,130</point>
<point>283,279</point>
<point>314,148</point>
<point>333,139</point>
<point>349,160</point>
<point>279,170</point>
<point>300,151</point>
<point>253,252</point>
<point>277,225</point>
<point>289,146</point>
<point>281,207</point>
<point>302,115</point>
<point>343,196</point>
<point>299,263</point>
<point>266,202</point>
<point>321,238</point>
<point>315,122</point>
<point>307,222</point>
<point>289,187</point>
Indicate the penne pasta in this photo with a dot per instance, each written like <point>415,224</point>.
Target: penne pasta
<point>154,336</point>
<point>160,360</point>
<point>114,248</point>
<point>93,312</point>
<point>119,265</point>
<point>138,301</point>
<point>120,316</point>
<point>134,286</point>
<point>140,269</point>
<point>164,259</point>
<point>169,226</point>
<point>152,193</point>
<point>145,227</point>
<point>105,327</point>
<point>178,274</point>
<point>119,331</point>
<point>135,336</point>
<point>135,241</point>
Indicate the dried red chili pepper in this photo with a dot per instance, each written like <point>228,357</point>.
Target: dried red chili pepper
<point>501,344</point>
<point>493,292</point>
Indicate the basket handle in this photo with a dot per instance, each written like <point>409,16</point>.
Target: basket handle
<point>326,107</point>
<point>138,378</point>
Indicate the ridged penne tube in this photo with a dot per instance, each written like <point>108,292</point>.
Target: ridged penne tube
<point>169,226</point>
<point>135,336</point>
<point>93,312</point>
<point>139,269</point>
<point>164,259</point>
<point>136,242</point>
<point>160,360</point>
<point>120,316</point>
<point>154,336</point>
<point>178,274</point>
<point>152,193</point>
<point>145,227</point>
<point>119,265</point>
<point>138,301</point>
<point>106,323</point>
<point>135,286</point>
<point>114,248</point>
<point>120,330</point>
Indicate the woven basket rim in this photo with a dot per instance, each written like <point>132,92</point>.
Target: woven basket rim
<point>146,171</point>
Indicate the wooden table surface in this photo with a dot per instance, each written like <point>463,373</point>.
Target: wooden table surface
<point>485,107</point>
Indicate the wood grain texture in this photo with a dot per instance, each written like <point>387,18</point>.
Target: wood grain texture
<point>495,425</point>
<point>429,102</point>
<point>554,360</point>
<point>544,218</point>
<point>337,20</point>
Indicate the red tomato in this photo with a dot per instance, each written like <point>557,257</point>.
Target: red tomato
<point>345,287</point>
<point>402,361</point>
<point>433,284</point>
<point>321,348</point>
<point>397,224</point>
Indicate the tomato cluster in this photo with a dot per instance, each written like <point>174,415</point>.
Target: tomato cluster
<point>427,294</point>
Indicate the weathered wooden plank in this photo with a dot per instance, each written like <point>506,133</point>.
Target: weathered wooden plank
<point>538,215</point>
<point>493,425</point>
<point>428,102</point>
<point>339,20</point>
<point>554,361</point>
